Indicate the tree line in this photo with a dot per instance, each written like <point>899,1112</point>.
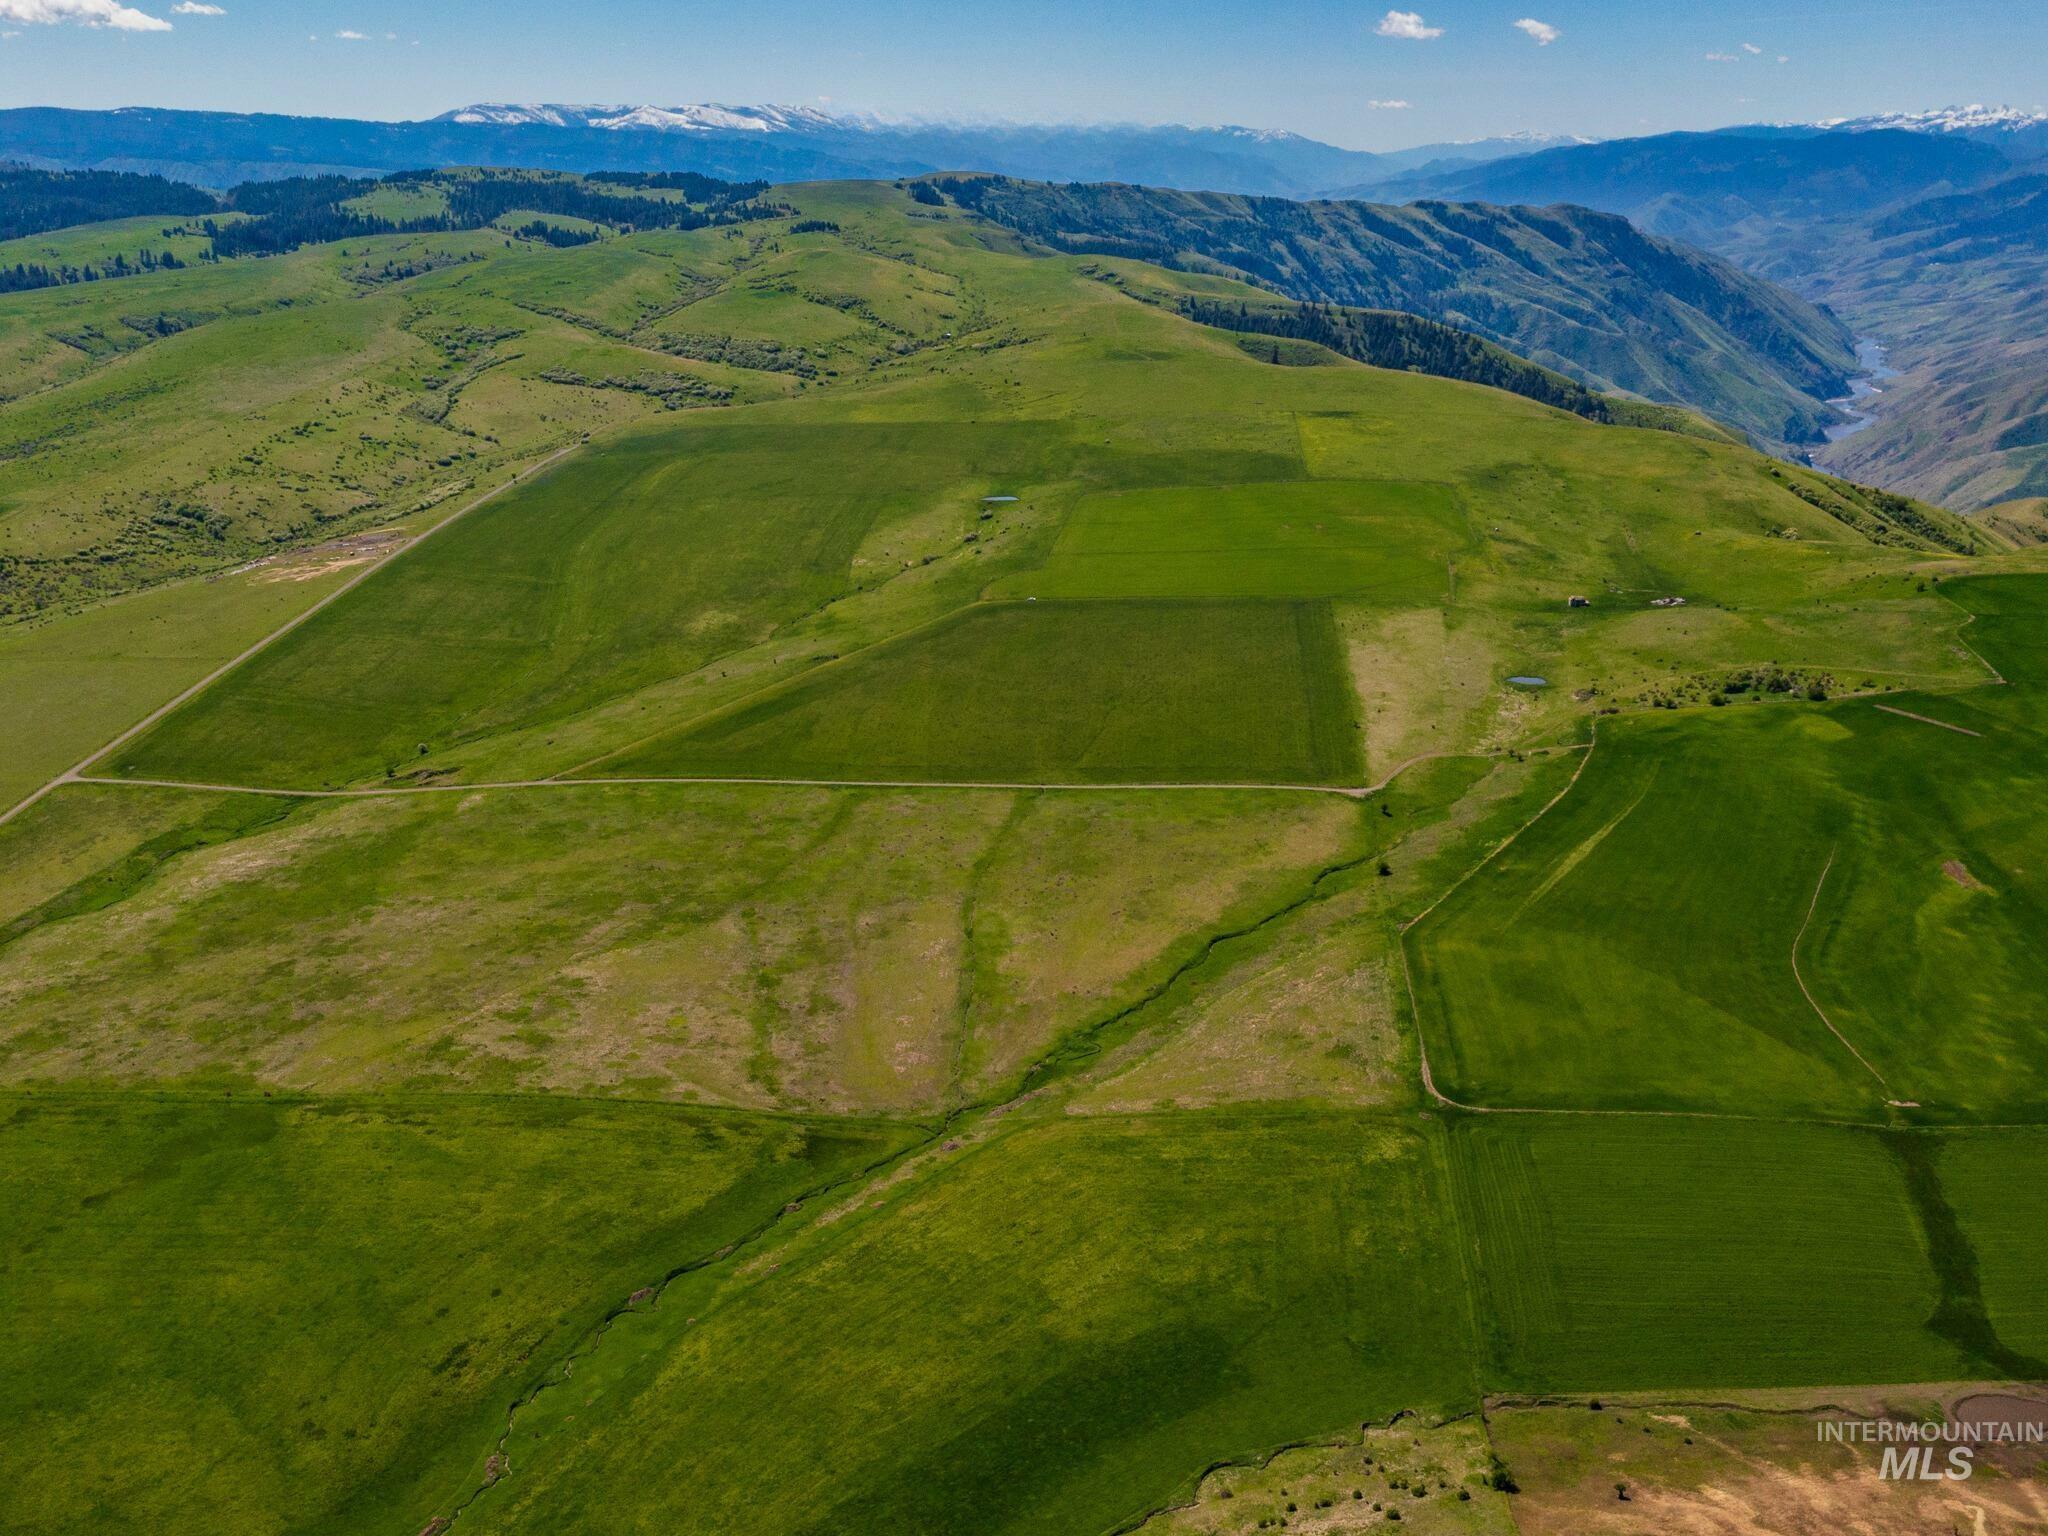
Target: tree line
<point>25,275</point>
<point>33,201</point>
<point>1389,339</point>
<point>311,210</point>
<point>279,216</point>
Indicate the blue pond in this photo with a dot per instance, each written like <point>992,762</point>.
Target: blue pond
<point>1530,682</point>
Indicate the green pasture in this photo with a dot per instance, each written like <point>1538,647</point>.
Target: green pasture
<point>1053,1332</point>
<point>280,1315</point>
<point>71,682</point>
<point>1630,951</point>
<point>1997,1184</point>
<point>89,245</point>
<point>1219,692</point>
<point>1041,566</point>
<point>1384,542</point>
<point>610,571</point>
<point>1684,1254</point>
<point>764,311</point>
<point>79,849</point>
<point>400,200</point>
<point>668,572</point>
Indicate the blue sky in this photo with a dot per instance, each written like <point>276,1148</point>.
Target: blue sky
<point>1359,76</point>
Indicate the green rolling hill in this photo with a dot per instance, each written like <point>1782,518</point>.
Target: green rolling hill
<point>1577,291</point>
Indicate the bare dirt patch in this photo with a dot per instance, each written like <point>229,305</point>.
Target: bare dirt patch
<point>335,555</point>
<point>1758,1466</point>
<point>1958,872</point>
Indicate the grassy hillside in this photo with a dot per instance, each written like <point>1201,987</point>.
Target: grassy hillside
<point>1916,815</point>
<point>699,561</point>
<point>1575,291</point>
<point>164,421</point>
<point>464,1238</point>
<point>1264,830</point>
<point>1046,1335</point>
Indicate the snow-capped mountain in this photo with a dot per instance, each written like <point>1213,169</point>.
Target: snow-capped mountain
<point>1229,158</point>
<point>701,117</point>
<point>771,143</point>
<point>716,117</point>
<point>2015,132</point>
<point>1971,119</point>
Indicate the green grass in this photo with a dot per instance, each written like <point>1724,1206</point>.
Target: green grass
<point>62,853</point>
<point>88,245</point>
<point>1556,975</point>
<point>1997,1183</point>
<point>611,571</point>
<point>1628,951</point>
<point>2005,627</point>
<point>515,219</point>
<point>1050,1333</point>
<point>757,946</point>
<point>1690,1254</point>
<point>1388,542</point>
<point>1089,395</point>
<point>671,571</point>
<point>70,683</point>
<point>267,1315</point>
<point>767,312</point>
<point>1053,692</point>
<point>400,201</point>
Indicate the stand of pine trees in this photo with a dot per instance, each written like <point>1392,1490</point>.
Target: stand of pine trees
<point>28,274</point>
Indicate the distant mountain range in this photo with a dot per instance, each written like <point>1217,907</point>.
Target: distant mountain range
<point>1927,231</point>
<point>705,117</point>
<point>786,143</point>
<point>2018,133</point>
<point>1258,155</point>
<point>222,149</point>
<point>1701,186</point>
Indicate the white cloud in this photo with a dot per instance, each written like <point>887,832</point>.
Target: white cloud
<point>1408,24</point>
<point>1544,33</point>
<point>348,36</point>
<point>196,8</point>
<point>86,13</point>
<point>1784,58</point>
<point>1751,48</point>
<point>1389,106</point>
<point>1721,58</point>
